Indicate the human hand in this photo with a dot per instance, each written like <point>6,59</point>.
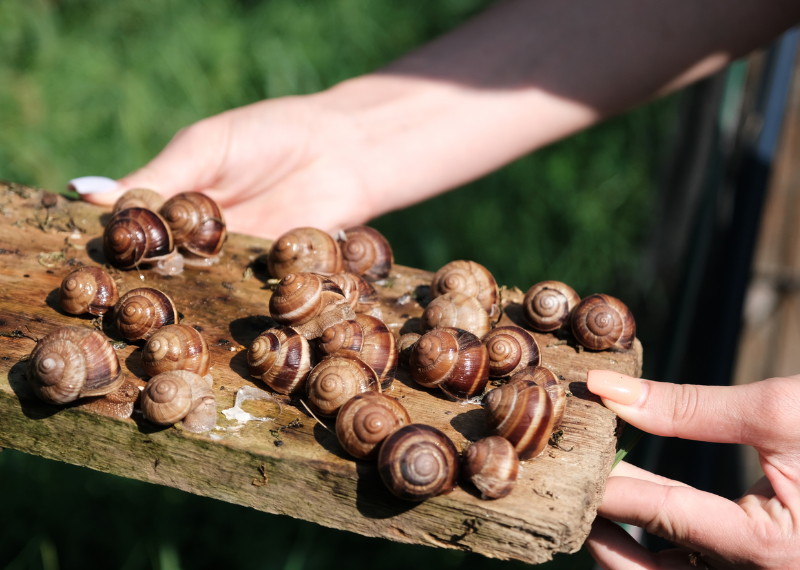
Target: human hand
<point>760,530</point>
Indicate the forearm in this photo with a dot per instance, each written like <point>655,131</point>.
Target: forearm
<point>526,73</point>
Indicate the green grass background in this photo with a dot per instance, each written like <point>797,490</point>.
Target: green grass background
<point>99,87</point>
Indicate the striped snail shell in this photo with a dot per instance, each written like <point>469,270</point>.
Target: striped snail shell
<point>510,349</point>
<point>470,278</point>
<point>139,313</point>
<point>175,347</point>
<point>310,303</point>
<point>456,310</point>
<point>197,224</point>
<point>179,395</point>
<point>547,305</point>
<point>304,250</point>
<point>281,358</point>
<point>71,363</point>
<point>139,198</point>
<point>335,380</point>
<point>523,414</point>
<point>492,465</point>
<point>452,359</point>
<point>366,252</point>
<point>418,462</point>
<point>87,290</point>
<point>366,420</point>
<point>545,378</point>
<point>600,322</point>
<point>360,295</point>
<point>134,236</point>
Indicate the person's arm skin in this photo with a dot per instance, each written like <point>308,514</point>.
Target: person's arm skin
<point>760,530</point>
<point>518,76</point>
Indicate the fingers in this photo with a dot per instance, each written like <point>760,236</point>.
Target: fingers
<point>625,469</point>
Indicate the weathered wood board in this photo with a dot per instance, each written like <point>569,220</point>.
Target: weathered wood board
<point>298,471</point>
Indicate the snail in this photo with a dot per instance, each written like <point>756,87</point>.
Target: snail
<point>547,305</point>
<point>366,420</point>
<point>175,347</point>
<point>492,465</point>
<point>366,338</point>
<point>360,295</point>
<point>139,198</point>
<point>139,313</point>
<point>310,303</point>
<point>197,225</point>
<point>304,250</point>
<point>71,363</point>
<point>522,413</point>
<point>452,359</point>
<point>134,236</point>
<point>456,310</point>
<point>418,462</point>
<point>281,358</point>
<point>600,322</point>
<point>545,378</point>
<point>180,395</point>
<point>510,350</point>
<point>470,278</point>
<point>335,380</point>
<point>117,404</point>
<point>87,290</point>
<point>366,252</point>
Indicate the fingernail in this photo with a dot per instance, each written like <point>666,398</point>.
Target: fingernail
<point>92,185</point>
<point>614,386</point>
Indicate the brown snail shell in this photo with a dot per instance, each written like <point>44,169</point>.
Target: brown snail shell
<point>175,347</point>
<point>510,349</point>
<point>139,313</point>
<point>418,462</point>
<point>492,465</point>
<point>456,310</point>
<point>310,303</point>
<point>179,395</point>
<point>197,224</point>
<point>360,295</point>
<point>335,380</point>
<point>545,378</point>
<point>523,414</point>
<point>71,363</point>
<point>366,252</point>
<point>139,198</point>
<point>452,359</point>
<point>600,322</point>
<point>134,236</point>
<point>304,250</point>
<point>87,290</point>
<point>117,404</point>
<point>547,305</point>
<point>281,358</point>
<point>366,420</point>
<point>470,278</point>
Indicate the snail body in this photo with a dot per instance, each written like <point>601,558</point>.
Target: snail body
<point>510,349</point>
<point>175,347</point>
<point>197,225</point>
<point>456,310</point>
<point>304,250</point>
<point>139,198</point>
<point>547,306</point>
<point>140,312</point>
<point>492,465</point>
<point>179,395</point>
<point>281,358</point>
<point>335,380</point>
<point>117,404</point>
<point>366,420</point>
<point>71,363</point>
<point>360,294</point>
<point>545,378</point>
<point>418,462</point>
<point>366,252</point>
<point>88,290</point>
<point>470,278</point>
<point>522,413</point>
<point>601,322</point>
<point>405,344</point>
<point>134,236</point>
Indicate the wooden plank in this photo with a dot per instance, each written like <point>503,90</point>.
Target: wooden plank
<point>308,476</point>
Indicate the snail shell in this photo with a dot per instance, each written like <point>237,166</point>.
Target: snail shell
<point>281,358</point>
<point>456,310</point>
<point>600,322</point>
<point>335,380</point>
<point>360,295</point>
<point>141,312</point>
<point>418,462</point>
<point>470,278</point>
<point>304,250</point>
<point>118,404</point>
<point>71,363</point>
<point>523,414</point>
<point>510,349</point>
<point>300,297</point>
<point>366,252</point>
<point>453,359</point>
<point>134,236</point>
<point>366,420</point>
<point>87,290</point>
<point>547,305</point>
<point>175,347</point>
<point>492,465</point>
<point>179,395</point>
<point>197,223</point>
<point>139,198</point>
<point>545,378</point>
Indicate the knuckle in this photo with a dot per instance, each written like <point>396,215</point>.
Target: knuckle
<point>686,406</point>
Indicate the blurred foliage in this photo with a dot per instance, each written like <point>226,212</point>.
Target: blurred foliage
<point>92,87</point>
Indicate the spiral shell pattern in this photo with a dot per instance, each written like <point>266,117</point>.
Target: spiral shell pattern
<point>456,310</point>
<point>366,252</point>
<point>136,235</point>
<point>197,223</point>
<point>467,277</point>
<point>167,398</point>
<point>175,347</point>
<point>87,290</point>
<point>452,359</point>
<point>510,349</point>
<point>300,297</point>
<point>366,420</point>
<point>545,378</point>
<point>281,358</point>
<point>601,322</point>
<point>523,414</point>
<point>418,462</point>
<point>304,250</point>
<point>492,465</point>
<point>139,198</point>
<point>335,380</point>
<point>139,313</point>
<point>360,294</point>
<point>548,305</point>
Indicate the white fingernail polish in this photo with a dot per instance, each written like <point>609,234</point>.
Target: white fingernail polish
<point>92,185</point>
